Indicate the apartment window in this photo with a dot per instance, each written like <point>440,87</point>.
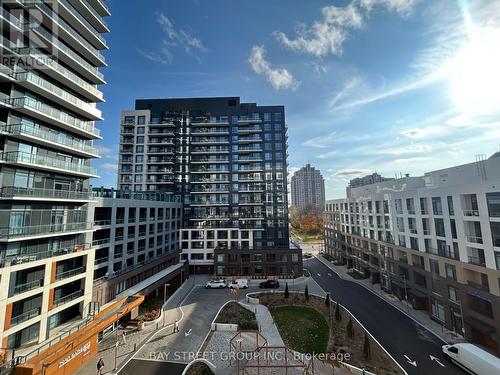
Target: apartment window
<point>495,233</point>
<point>437,207</point>
<point>453,294</point>
<point>129,120</point>
<point>439,226</point>
<point>139,149</point>
<point>437,309</point>
<point>139,158</point>
<point>451,209</point>
<point>434,267</point>
<point>140,130</point>
<point>493,200</point>
<point>497,259</point>
<point>451,271</point>
<point>139,139</point>
<point>141,120</point>
<point>453,228</point>
<point>138,169</point>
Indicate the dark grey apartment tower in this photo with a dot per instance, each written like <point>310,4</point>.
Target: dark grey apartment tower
<point>50,55</point>
<point>227,160</point>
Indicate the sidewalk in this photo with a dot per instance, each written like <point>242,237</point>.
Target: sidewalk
<point>419,316</point>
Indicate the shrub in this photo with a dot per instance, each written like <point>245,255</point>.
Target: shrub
<point>367,351</point>
<point>287,293</point>
<point>350,329</point>
<point>338,315</point>
<point>306,293</point>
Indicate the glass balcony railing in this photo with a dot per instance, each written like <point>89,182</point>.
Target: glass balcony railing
<point>94,12</point>
<point>83,20</point>
<point>56,90</point>
<point>25,256</point>
<point>28,102</point>
<point>40,230</point>
<point>59,138</point>
<point>40,55</point>
<point>15,191</point>
<point>64,26</point>
<point>63,47</point>
<point>46,161</point>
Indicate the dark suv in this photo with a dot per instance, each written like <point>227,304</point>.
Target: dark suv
<point>269,284</point>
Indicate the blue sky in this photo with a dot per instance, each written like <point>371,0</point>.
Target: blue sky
<point>369,85</point>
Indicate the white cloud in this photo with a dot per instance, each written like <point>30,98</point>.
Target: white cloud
<point>321,141</point>
<point>279,78</point>
<point>327,35</point>
<point>112,167</point>
<point>174,38</point>
<point>324,36</point>
<point>403,7</point>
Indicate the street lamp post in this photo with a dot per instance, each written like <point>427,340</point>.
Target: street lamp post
<point>116,337</point>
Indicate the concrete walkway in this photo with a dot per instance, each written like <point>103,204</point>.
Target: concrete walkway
<point>421,317</point>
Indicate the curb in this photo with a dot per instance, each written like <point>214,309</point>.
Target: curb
<point>326,263</point>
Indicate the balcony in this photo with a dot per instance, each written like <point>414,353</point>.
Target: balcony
<point>101,261</point>
<point>18,319</point>
<point>483,287</point>
<point>43,87</point>
<point>68,33</point>
<point>25,256</point>
<point>478,261</point>
<point>100,242</point>
<point>66,54</point>
<point>471,213</point>
<point>474,239</point>
<point>68,298</point>
<point>45,112</point>
<point>84,27</point>
<point>38,135</point>
<point>8,233</point>
<point>47,163</point>
<point>18,193</point>
<point>70,273</point>
<point>23,288</point>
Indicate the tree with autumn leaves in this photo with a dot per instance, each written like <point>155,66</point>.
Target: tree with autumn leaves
<point>308,221</point>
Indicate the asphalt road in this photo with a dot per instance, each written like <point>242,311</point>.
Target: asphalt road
<point>408,342</point>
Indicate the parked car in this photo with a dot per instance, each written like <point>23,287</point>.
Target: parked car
<point>216,283</point>
<point>307,255</point>
<point>269,284</point>
<point>240,283</point>
<point>472,358</point>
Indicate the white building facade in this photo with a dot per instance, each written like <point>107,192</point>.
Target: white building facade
<point>434,240</point>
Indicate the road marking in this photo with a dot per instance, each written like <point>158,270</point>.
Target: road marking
<point>187,333</point>
<point>329,274</point>
<point>414,363</point>
<point>436,360</point>
<point>319,274</point>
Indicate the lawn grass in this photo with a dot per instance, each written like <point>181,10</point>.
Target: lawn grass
<point>303,329</point>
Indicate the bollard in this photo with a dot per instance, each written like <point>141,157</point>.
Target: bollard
<point>135,346</point>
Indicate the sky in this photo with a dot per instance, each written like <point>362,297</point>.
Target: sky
<point>387,86</point>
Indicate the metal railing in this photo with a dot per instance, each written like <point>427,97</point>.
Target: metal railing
<point>25,256</point>
<point>18,289</point>
<point>469,213</point>
<point>25,316</point>
<point>68,298</point>
<point>70,273</point>
<point>474,239</point>
<point>476,260</point>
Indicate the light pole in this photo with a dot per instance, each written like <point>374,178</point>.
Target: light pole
<point>293,279</point>
<point>165,290</point>
<point>116,337</point>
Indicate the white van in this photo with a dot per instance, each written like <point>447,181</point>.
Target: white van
<point>241,283</point>
<point>473,359</point>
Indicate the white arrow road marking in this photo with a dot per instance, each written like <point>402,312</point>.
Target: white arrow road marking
<point>414,363</point>
<point>436,360</point>
<point>329,274</point>
<point>187,333</point>
<point>319,274</point>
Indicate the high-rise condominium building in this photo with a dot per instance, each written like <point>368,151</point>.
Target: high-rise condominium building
<point>227,160</point>
<point>49,85</point>
<point>433,240</point>
<point>308,188</point>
